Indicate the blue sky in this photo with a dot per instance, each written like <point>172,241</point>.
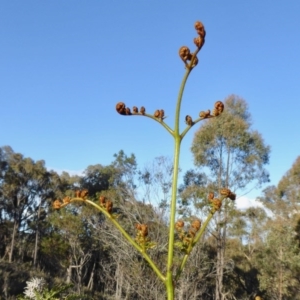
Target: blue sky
<point>65,64</point>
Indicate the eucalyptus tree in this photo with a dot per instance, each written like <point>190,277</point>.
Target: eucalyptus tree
<point>231,154</point>
<point>244,248</point>
<point>281,265</point>
<point>120,173</point>
<point>23,191</point>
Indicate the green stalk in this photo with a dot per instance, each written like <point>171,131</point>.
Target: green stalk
<point>177,141</point>
<point>160,121</point>
<point>127,236</point>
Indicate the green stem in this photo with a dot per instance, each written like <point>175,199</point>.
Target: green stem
<point>177,141</point>
<point>169,275</point>
<point>126,235</point>
<point>179,99</point>
<point>160,121</point>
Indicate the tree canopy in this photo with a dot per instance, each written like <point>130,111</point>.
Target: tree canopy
<point>79,248</point>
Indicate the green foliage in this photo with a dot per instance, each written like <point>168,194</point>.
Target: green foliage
<point>262,249</point>
<point>281,264</point>
<point>227,146</point>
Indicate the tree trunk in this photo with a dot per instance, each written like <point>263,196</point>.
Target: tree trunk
<point>37,236</point>
<point>69,272</point>
<point>5,284</point>
<point>119,280</point>
<point>91,280</point>
<point>79,275</point>
<point>221,236</point>
<point>219,270</point>
<point>12,244</point>
<point>280,274</point>
<point>17,217</point>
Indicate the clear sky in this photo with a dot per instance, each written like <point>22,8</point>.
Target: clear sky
<point>65,64</point>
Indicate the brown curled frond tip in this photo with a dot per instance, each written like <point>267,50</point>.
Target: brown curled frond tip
<point>84,193</point>
<point>189,120</point>
<point>228,194</point>
<point>67,200</point>
<point>215,112</point>
<point>179,225</point>
<point>216,203</point>
<point>199,41</point>
<point>56,204</point>
<point>156,114</point>
<point>211,196</point>
<point>185,53</point>
<point>81,193</point>
<point>204,114</point>
<point>225,192</point>
<point>109,206</point>
<point>159,114</point>
<point>121,108</point>
<point>196,224</point>
<point>135,110</point>
<point>143,229</point>
<point>219,106</point>
<point>102,200</point>
<point>200,29</point>
<point>142,110</point>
